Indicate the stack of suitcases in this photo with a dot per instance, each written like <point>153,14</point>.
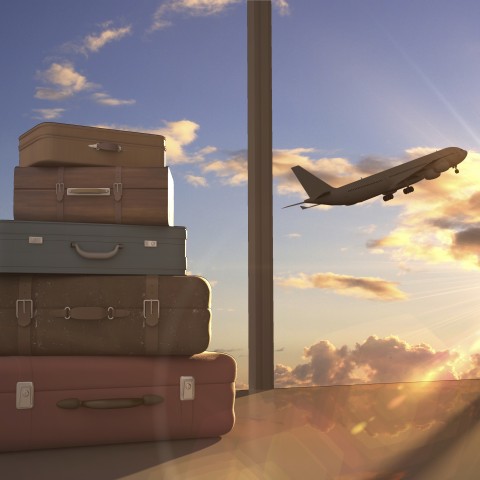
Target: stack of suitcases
<point>102,332</point>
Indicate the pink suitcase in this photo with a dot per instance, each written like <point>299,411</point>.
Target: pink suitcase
<point>52,402</point>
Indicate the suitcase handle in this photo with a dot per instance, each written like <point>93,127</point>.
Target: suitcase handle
<point>107,147</point>
<point>96,255</point>
<point>88,191</point>
<point>109,403</point>
<point>89,313</point>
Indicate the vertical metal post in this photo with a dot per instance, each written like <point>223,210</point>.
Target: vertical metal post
<point>260,222</point>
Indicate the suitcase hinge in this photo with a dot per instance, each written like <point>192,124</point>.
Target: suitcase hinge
<point>22,313</point>
<point>117,191</point>
<point>151,317</point>
<point>60,191</point>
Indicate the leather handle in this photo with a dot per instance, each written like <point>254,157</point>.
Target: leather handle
<point>96,255</point>
<point>109,403</point>
<point>89,313</point>
<point>98,192</point>
<point>107,147</point>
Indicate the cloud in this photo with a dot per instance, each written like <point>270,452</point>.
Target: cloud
<point>48,113</point>
<point>65,81</point>
<point>369,288</point>
<point>335,170</point>
<point>196,181</point>
<point>232,172</point>
<point>440,222</point>
<point>376,360</point>
<point>466,244</point>
<point>282,6</point>
<point>105,99</point>
<point>197,8</point>
<point>201,8</point>
<point>293,235</point>
<point>179,134</point>
<point>95,42</point>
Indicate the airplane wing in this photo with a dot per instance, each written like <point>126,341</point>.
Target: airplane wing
<point>409,178</point>
<point>415,173</point>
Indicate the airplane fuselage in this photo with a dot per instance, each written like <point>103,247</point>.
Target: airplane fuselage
<point>389,181</point>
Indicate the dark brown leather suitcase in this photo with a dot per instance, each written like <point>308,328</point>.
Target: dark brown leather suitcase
<point>133,196</point>
<point>104,314</point>
<point>51,144</point>
<point>49,402</point>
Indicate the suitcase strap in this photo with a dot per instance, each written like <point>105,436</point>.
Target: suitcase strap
<point>117,193</point>
<point>89,313</point>
<point>24,314</point>
<point>151,314</point>
<point>60,190</point>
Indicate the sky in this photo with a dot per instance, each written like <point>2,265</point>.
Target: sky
<point>376,292</point>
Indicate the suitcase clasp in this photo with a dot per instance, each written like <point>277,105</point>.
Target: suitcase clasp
<point>21,315</point>
<point>59,190</point>
<point>117,191</point>
<point>25,393</point>
<point>151,320</point>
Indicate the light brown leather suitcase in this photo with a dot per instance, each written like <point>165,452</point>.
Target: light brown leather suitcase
<point>50,144</point>
<point>104,314</point>
<point>128,195</point>
<point>50,402</point>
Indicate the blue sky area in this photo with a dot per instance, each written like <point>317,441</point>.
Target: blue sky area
<point>367,293</point>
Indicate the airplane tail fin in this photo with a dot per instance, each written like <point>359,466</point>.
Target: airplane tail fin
<point>313,185</point>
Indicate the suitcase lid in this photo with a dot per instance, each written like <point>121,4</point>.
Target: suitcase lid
<point>90,134</point>
<point>90,372</point>
<point>105,232</point>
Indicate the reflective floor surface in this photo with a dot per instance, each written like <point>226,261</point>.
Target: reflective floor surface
<point>427,430</point>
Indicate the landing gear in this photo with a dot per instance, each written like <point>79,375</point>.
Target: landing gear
<point>456,169</point>
<point>408,190</point>
<point>386,198</point>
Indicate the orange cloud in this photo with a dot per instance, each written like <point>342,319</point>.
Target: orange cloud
<point>376,360</point>
<point>179,134</point>
<point>370,288</point>
<point>440,222</point>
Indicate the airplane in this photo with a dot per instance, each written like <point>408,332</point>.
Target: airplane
<point>384,183</point>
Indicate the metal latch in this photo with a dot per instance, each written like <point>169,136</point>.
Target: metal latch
<point>150,243</point>
<point>25,393</point>
<point>187,388</point>
<point>35,240</point>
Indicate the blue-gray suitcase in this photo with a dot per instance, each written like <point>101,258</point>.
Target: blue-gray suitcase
<point>88,248</point>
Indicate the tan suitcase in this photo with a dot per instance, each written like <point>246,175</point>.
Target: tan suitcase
<point>49,402</point>
<point>132,196</point>
<point>50,144</point>
<point>104,314</point>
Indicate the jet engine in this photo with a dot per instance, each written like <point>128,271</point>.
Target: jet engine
<point>441,165</point>
<point>430,174</point>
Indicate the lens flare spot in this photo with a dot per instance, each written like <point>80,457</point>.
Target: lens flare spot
<point>358,428</point>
